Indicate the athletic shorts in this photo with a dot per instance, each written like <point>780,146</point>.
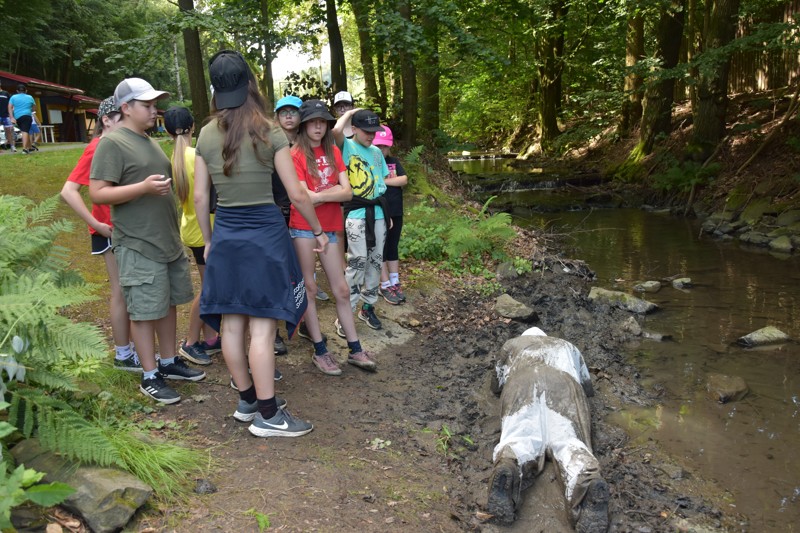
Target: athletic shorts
<point>150,287</point>
<point>100,244</point>
<point>34,128</point>
<point>24,123</point>
<point>197,252</point>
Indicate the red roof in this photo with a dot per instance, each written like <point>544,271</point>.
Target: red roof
<point>41,84</point>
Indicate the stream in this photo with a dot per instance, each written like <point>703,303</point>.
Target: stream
<point>749,447</point>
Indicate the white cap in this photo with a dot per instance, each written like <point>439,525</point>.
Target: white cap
<point>136,89</point>
<point>343,96</point>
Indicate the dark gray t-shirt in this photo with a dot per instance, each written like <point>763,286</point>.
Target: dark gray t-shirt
<point>150,223</point>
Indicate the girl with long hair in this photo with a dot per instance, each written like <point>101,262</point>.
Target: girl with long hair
<point>252,276</point>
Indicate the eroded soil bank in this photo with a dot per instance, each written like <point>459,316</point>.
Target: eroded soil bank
<point>409,448</point>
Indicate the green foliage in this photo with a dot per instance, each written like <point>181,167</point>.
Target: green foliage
<point>683,176</point>
<point>463,242</point>
<point>22,485</point>
<point>522,265</point>
<point>261,518</point>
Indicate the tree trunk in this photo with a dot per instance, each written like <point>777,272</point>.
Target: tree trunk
<point>361,13</point>
<point>712,87</point>
<point>267,81</point>
<point>194,64</point>
<point>382,94</point>
<point>409,75</point>
<point>550,51</point>
<point>338,66</point>
<point>634,53</point>
<point>429,82</point>
<point>657,106</point>
<point>396,107</point>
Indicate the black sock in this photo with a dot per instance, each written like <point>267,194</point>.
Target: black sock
<point>248,395</point>
<point>320,348</point>
<point>268,408</point>
<point>354,346</point>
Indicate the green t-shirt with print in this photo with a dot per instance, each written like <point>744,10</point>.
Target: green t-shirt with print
<point>366,170</point>
<point>149,224</point>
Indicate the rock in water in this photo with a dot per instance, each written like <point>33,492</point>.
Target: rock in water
<point>724,389</point>
<point>622,300</point>
<point>648,286</point>
<point>763,336</point>
<point>682,283</point>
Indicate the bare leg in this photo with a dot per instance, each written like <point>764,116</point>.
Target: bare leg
<point>120,320</point>
<point>233,335</point>
<point>195,324</point>
<point>26,141</point>
<point>339,288</point>
<point>166,332</point>
<point>143,332</point>
<point>308,258</point>
<point>262,355</point>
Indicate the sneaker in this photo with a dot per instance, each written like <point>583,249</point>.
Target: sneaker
<point>195,354</point>
<point>246,412</point>
<point>13,148</point>
<point>367,314</point>
<point>180,370</point>
<point>362,360</point>
<point>389,295</point>
<point>24,151</point>
<point>131,364</point>
<point>302,331</point>
<point>322,295</point>
<point>339,329</point>
<point>280,346</point>
<point>398,291</point>
<point>278,377</point>
<point>157,389</point>
<point>281,425</point>
<point>212,349</point>
<point>34,148</point>
<point>326,364</point>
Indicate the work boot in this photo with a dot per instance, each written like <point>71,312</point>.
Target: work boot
<point>504,491</point>
<point>593,510</point>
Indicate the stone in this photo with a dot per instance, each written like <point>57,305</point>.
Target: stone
<point>782,244</point>
<point>655,336</point>
<point>648,286</point>
<point>506,271</point>
<point>672,471</point>
<point>755,210</point>
<point>205,486</point>
<point>106,498</point>
<point>621,300</point>
<point>632,326</point>
<point>682,283</point>
<point>755,237</point>
<point>508,307</point>
<point>788,217</point>
<point>763,336</point>
<point>723,388</point>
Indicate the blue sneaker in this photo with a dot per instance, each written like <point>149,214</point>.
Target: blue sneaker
<point>281,425</point>
<point>195,354</point>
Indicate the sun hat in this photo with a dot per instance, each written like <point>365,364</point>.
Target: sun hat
<point>343,96</point>
<point>289,101</point>
<point>366,120</point>
<point>384,138</point>
<point>314,109</point>
<point>178,120</point>
<point>107,107</point>
<point>230,77</point>
<point>136,89</point>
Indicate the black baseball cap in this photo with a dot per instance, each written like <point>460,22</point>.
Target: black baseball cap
<point>314,109</point>
<point>230,76</point>
<point>366,120</point>
<point>178,120</point>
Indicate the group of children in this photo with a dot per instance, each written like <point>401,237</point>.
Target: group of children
<point>245,182</point>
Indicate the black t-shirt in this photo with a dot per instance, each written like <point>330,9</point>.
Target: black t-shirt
<point>394,195</point>
<point>4,98</point>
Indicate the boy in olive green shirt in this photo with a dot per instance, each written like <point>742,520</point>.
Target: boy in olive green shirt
<point>132,173</point>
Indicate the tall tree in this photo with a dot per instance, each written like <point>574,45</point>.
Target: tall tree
<point>194,64</point>
<point>549,50</point>
<point>712,86</point>
<point>338,66</point>
<point>634,53</point>
<point>409,74</point>
<point>429,72</point>
<point>361,11</point>
<point>659,95</point>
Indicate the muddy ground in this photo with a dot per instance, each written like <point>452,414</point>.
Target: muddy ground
<point>409,448</point>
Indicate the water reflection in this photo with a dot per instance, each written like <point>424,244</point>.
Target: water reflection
<point>749,447</point>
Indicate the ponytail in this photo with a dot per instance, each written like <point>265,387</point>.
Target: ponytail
<point>179,175</point>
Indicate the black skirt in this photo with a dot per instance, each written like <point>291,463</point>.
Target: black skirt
<point>252,268</point>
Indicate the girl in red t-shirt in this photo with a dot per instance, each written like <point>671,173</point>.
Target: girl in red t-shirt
<point>99,221</point>
<point>322,172</point>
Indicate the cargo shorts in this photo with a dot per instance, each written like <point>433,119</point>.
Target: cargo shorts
<point>150,287</point>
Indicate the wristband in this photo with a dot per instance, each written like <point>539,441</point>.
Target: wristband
<point>318,234</point>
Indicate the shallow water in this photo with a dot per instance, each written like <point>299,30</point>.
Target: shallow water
<point>748,447</point>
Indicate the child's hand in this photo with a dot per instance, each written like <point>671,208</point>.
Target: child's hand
<point>158,184</point>
<point>103,229</point>
<point>315,198</point>
<point>322,243</point>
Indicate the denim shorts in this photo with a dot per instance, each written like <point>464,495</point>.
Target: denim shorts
<point>308,234</point>
<point>6,122</point>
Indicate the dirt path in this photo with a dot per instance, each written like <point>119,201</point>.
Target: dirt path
<point>410,447</point>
